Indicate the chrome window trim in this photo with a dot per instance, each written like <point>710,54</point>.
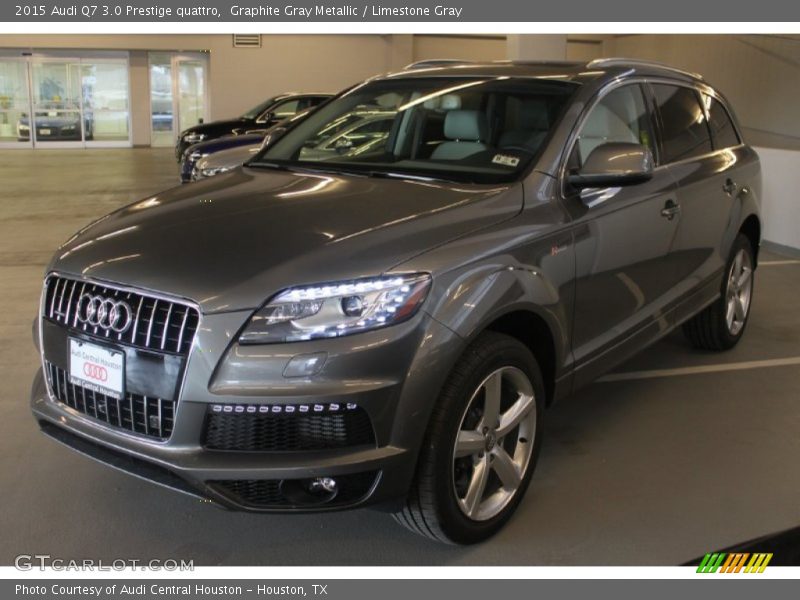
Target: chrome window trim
<point>121,288</point>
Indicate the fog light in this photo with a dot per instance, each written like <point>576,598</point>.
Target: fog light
<point>322,485</point>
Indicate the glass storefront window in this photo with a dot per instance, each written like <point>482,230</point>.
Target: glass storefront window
<point>14,101</point>
<point>54,100</point>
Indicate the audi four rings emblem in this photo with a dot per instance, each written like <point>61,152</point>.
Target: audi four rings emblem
<point>105,313</point>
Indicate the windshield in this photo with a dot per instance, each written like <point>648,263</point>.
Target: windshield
<point>481,130</point>
<point>257,110</point>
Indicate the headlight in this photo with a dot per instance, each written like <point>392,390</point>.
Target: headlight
<point>193,138</point>
<point>336,309</point>
<point>24,128</point>
<point>211,171</point>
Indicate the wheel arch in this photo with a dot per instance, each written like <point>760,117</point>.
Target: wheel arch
<point>751,228</point>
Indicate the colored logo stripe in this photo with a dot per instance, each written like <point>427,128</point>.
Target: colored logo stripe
<point>734,562</point>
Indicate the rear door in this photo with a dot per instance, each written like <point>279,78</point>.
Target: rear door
<point>702,151</point>
<point>622,241</point>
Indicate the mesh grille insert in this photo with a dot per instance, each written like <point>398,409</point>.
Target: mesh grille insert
<point>250,431</point>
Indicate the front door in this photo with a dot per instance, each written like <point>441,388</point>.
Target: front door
<point>623,237</point>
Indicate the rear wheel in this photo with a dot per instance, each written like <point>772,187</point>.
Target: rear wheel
<point>721,325</point>
<point>481,446</point>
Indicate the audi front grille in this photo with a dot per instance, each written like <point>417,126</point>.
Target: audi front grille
<point>152,417</point>
<point>156,324</point>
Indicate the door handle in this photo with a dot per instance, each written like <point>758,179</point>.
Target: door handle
<point>729,187</point>
<point>670,210</point>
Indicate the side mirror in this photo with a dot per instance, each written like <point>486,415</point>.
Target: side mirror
<point>614,164</point>
<point>266,117</point>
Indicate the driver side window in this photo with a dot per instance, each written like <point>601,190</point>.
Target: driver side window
<point>620,116</point>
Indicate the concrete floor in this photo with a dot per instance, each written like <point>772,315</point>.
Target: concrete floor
<point>646,471</point>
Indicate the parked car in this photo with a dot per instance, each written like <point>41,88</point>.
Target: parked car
<point>57,123</point>
<point>224,161</point>
<point>360,132</point>
<point>260,117</point>
<point>232,147</point>
<point>387,328</point>
<point>198,152</point>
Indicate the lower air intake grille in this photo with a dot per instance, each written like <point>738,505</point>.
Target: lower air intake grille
<point>251,431</point>
<point>153,417</point>
<point>278,494</point>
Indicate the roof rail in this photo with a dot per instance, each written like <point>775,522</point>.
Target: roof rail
<point>436,62</point>
<point>633,62</point>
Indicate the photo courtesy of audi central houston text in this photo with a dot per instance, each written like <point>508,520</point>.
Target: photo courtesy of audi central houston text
<point>400,299</point>
<point>384,320</point>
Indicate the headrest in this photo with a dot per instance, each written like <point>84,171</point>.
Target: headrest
<point>465,125</point>
<point>450,102</point>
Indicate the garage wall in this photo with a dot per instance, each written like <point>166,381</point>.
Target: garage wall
<point>241,77</point>
<point>760,75</point>
<point>467,47</point>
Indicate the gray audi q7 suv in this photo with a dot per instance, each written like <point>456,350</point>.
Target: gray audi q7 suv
<point>319,331</point>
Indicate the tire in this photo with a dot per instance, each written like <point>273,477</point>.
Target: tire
<point>439,501</point>
<point>713,329</point>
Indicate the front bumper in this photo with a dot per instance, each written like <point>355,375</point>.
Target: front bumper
<point>393,374</point>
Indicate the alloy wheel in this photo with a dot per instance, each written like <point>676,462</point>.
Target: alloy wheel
<point>738,292</point>
<point>494,444</point>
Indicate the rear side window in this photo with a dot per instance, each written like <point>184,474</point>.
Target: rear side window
<point>722,130</point>
<point>684,128</point>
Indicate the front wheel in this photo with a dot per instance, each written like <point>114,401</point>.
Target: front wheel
<point>482,444</point>
<point>721,325</point>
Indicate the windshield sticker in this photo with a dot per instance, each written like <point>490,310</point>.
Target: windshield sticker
<point>505,160</point>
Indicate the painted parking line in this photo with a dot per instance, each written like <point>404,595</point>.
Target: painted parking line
<point>699,370</point>
<point>777,263</point>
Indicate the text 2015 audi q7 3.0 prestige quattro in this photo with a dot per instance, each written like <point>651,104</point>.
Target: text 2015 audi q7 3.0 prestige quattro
<point>384,324</point>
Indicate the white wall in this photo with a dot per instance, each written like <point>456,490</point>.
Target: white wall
<point>780,202</point>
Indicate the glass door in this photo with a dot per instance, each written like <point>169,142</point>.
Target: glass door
<point>161,111</point>
<point>191,96</point>
<point>57,92</point>
<point>15,103</point>
<point>104,85</point>
<point>178,94</point>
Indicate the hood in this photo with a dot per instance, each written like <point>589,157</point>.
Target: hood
<point>232,241</point>
<point>220,127</point>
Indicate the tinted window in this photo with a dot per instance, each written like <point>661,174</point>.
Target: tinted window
<point>621,116</point>
<point>684,128</point>
<point>722,130</point>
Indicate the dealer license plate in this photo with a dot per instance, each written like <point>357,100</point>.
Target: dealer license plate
<point>97,368</point>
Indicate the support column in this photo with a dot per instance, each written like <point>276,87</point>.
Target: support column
<point>401,51</point>
<point>536,47</point>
